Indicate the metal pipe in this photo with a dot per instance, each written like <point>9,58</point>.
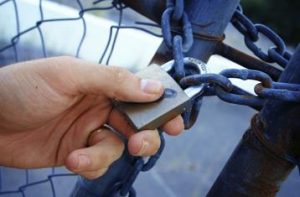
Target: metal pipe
<point>248,61</point>
<point>208,18</point>
<point>269,150</point>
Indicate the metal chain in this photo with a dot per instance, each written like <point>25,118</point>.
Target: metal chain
<point>216,84</point>
<point>220,85</point>
<point>275,54</point>
<point>124,187</point>
<point>173,13</point>
<point>180,44</point>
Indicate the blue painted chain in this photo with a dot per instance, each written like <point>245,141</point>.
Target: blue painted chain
<point>216,84</point>
<point>174,13</point>
<point>276,54</point>
<point>180,44</point>
<point>124,187</point>
<point>220,85</point>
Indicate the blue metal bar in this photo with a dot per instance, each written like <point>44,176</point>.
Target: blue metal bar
<point>209,20</point>
<point>269,150</point>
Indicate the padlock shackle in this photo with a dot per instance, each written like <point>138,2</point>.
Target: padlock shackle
<point>193,90</point>
<point>187,60</point>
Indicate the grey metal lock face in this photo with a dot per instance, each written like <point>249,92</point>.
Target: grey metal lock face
<point>144,116</point>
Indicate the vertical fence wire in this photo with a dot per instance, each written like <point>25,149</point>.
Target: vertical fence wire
<point>11,47</point>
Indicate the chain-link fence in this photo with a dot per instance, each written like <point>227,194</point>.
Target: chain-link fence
<point>99,31</point>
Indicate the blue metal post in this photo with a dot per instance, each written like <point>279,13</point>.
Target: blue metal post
<point>209,20</point>
<point>269,150</point>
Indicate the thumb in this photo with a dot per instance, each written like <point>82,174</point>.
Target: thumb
<point>114,82</point>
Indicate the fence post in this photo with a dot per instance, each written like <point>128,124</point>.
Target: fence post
<point>209,20</point>
<point>269,150</point>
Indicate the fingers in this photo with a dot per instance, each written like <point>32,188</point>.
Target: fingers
<point>120,124</point>
<point>93,161</point>
<point>118,121</point>
<point>114,82</point>
<point>144,143</point>
<point>147,143</point>
<point>174,127</point>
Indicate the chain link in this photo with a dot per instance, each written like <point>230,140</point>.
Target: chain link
<point>167,19</point>
<point>275,54</point>
<point>174,13</point>
<point>180,44</point>
<point>220,85</point>
<point>216,84</point>
<point>125,186</point>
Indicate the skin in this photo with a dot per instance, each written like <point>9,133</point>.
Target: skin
<point>52,113</point>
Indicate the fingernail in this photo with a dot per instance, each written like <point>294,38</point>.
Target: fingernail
<point>83,161</point>
<point>143,149</point>
<point>151,86</point>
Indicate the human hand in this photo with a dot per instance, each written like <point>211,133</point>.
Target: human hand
<point>53,110</point>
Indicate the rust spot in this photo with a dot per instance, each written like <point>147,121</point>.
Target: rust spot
<point>258,88</point>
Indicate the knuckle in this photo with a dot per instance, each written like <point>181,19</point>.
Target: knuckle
<point>120,74</point>
<point>156,143</point>
<point>108,157</point>
<point>96,136</point>
<point>105,158</point>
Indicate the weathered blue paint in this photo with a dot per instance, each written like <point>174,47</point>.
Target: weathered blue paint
<point>209,20</point>
<point>269,150</point>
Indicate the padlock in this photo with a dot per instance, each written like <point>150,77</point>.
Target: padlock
<point>175,100</point>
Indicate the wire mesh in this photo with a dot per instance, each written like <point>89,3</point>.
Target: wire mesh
<point>17,44</point>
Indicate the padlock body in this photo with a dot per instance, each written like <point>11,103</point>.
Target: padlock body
<point>149,116</point>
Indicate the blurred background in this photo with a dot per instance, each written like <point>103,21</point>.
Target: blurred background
<point>281,15</point>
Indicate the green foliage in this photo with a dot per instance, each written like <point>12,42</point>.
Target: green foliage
<point>283,16</point>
